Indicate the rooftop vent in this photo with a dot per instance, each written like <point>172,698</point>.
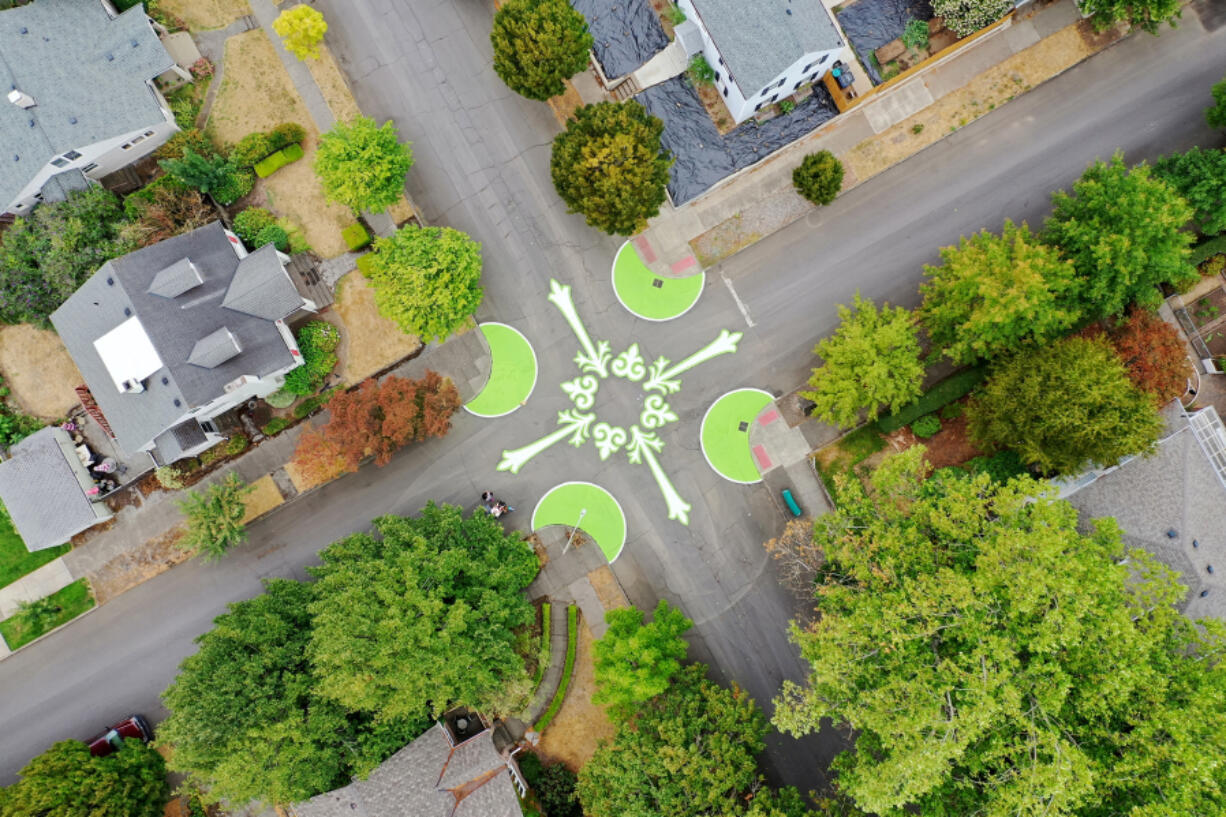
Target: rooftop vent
<point>21,100</point>
<point>24,30</point>
<point>131,386</point>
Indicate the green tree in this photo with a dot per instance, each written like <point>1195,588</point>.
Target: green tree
<point>66,781</point>
<point>538,45</point>
<point>1200,177</point>
<point>819,178</point>
<point>995,294</point>
<point>246,721</point>
<point>1123,232</point>
<point>216,176</point>
<point>426,279</point>
<point>47,255</point>
<point>1063,406</point>
<point>215,517</point>
<point>1215,114</point>
<point>870,362</point>
<point>609,165</point>
<point>965,17</point>
<point>301,29</point>
<point>362,165</point>
<point>636,661</point>
<point>1147,15</point>
<point>993,659</point>
<point>422,616</point>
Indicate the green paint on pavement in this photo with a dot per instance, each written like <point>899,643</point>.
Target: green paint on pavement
<point>603,519</point>
<point>724,444</point>
<point>512,372</point>
<point>648,295</point>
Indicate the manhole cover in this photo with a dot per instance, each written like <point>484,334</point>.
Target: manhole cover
<point>744,426</point>
<point>657,283</point>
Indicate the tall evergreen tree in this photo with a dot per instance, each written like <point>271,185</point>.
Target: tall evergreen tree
<point>538,44</point>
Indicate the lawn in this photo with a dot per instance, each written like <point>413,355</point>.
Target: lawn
<point>66,604</point>
<point>724,443</point>
<point>15,560</point>
<point>512,372</point>
<point>603,519</point>
<point>38,370</point>
<point>649,296</point>
<point>370,342</point>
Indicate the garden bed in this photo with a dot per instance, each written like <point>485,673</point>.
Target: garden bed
<point>870,24</point>
<point>580,725</point>
<point>1208,308</point>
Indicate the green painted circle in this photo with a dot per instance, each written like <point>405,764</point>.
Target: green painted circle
<point>724,445</point>
<point>603,519</point>
<point>512,372</point>
<point>634,285</point>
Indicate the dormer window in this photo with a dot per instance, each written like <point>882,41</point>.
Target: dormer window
<point>60,161</point>
<point>72,155</point>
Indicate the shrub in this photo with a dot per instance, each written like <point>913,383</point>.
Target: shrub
<point>948,390</point>
<point>317,341</point>
<point>1207,249</point>
<point>701,72</point>
<point>213,454</point>
<point>162,210</point>
<point>787,106</point>
<point>273,234</point>
<point>926,426</point>
<point>301,29</point>
<point>355,235</point>
<point>271,164</point>
<point>238,184</point>
<point>175,146</point>
<point>168,477</point>
<point>202,68</point>
<point>531,767</point>
<point>250,222</point>
<point>215,517</point>
<point>309,405</point>
<point>572,635</point>
<point>286,134</point>
<point>952,411</point>
<point>280,399</point>
<point>675,15</point>
<point>1001,466</point>
<point>915,35</point>
<point>555,790</point>
<point>965,17</point>
<point>1214,266</point>
<point>185,104</point>
<point>236,445</point>
<point>819,177</point>
<point>275,426</point>
<point>250,149</point>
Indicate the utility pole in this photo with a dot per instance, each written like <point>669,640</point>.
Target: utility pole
<point>573,531</point>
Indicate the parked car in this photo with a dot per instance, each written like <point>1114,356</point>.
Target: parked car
<point>133,726</point>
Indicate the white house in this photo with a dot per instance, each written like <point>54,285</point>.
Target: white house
<point>764,50</point>
<point>79,98</point>
<point>170,336</point>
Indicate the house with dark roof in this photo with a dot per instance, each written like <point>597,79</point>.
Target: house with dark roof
<point>80,100</point>
<point>48,490</point>
<point>762,51</point>
<point>173,335</point>
<point>446,772</point>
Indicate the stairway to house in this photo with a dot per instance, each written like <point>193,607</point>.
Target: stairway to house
<point>304,271</point>
<point>249,21</point>
<point>626,90</point>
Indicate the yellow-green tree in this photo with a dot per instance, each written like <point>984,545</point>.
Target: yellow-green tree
<point>362,165</point>
<point>538,45</point>
<point>302,29</point>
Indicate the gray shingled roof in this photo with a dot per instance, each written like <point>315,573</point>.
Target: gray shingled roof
<point>87,74</point>
<point>214,349</point>
<point>761,40</point>
<point>176,442</point>
<point>176,279</point>
<point>43,487</point>
<point>262,288</point>
<point>174,326</point>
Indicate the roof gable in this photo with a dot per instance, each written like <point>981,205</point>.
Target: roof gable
<point>262,288</point>
<point>176,279</point>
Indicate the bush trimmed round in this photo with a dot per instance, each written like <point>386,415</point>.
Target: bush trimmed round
<point>926,426</point>
<point>819,177</point>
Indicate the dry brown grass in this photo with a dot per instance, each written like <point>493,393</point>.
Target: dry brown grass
<point>580,725</point>
<point>38,370</point>
<point>333,86</point>
<point>984,93</point>
<point>256,94</point>
<point>265,496</point>
<point>401,211</point>
<point>204,14</point>
<point>565,104</point>
<point>132,567</point>
<point>372,342</point>
<point>607,588</point>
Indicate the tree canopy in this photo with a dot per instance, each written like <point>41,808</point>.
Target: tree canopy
<point>1215,114</point>
<point>1153,354</point>
<point>301,29</point>
<point>215,517</point>
<point>47,255</point>
<point>994,294</point>
<point>538,44</point>
<point>610,166</point>
<point>993,659</point>
<point>872,361</point>
<point>636,661</point>
<point>362,165</point>
<point>1199,176</point>
<point>1147,15</point>
<point>819,177</point>
<point>965,17</point>
<point>423,615</point>
<point>1122,229</point>
<point>1064,406</point>
<point>67,781</point>
<point>426,279</point>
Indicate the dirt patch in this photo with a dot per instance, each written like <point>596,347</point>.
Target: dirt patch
<point>580,725</point>
<point>607,588</point>
<point>717,109</point>
<point>565,104</point>
<point>371,341</point>
<point>199,15</point>
<point>332,85</point>
<point>984,93</point>
<point>265,496</point>
<point>138,565</point>
<point>38,371</point>
<point>401,211</point>
<point>949,446</point>
<point>256,94</point>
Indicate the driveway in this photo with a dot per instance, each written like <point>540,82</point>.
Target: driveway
<point>482,166</point>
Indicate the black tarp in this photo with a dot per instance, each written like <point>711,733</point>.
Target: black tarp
<point>701,155</point>
<point>627,33</point>
<point>870,24</point>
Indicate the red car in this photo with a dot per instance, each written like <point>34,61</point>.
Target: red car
<point>134,726</point>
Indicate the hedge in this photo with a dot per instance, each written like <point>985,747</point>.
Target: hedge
<point>1207,249</point>
<point>542,661</point>
<point>364,262</point>
<point>355,235</point>
<point>275,426</point>
<point>572,637</point>
<point>948,390</point>
<point>271,164</point>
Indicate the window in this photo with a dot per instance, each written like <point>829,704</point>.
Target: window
<point>721,60</point>
<point>717,76</point>
<point>59,161</point>
<point>725,92</point>
<point>782,80</point>
<point>813,76</point>
<point>796,87</point>
<point>72,154</point>
<point>127,146</point>
<point>89,167</point>
<point>148,133</point>
<point>807,67</point>
<point>775,98</point>
<point>822,60</point>
<point>758,107</point>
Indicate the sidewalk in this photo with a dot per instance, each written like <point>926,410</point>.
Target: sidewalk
<point>781,449</point>
<point>893,122</point>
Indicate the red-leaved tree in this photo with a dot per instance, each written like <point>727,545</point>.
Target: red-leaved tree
<point>1153,353</point>
<point>376,419</point>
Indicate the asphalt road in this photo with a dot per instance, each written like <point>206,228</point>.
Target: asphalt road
<point>482,166</point>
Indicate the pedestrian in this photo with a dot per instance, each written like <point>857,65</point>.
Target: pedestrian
<point>487,499</point>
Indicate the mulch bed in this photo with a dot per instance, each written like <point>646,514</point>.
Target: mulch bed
<point>949,446</point>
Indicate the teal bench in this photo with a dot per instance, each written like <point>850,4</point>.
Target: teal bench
<point>792,506</point>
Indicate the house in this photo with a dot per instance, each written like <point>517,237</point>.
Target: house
<point>1171,504</point>
<point>48,490</point>
<point>80,98</point>
<point>173,335</point>
<point>761,51</point>
<point>446,772</point>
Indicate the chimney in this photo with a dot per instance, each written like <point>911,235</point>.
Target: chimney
<point>21,100</point>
